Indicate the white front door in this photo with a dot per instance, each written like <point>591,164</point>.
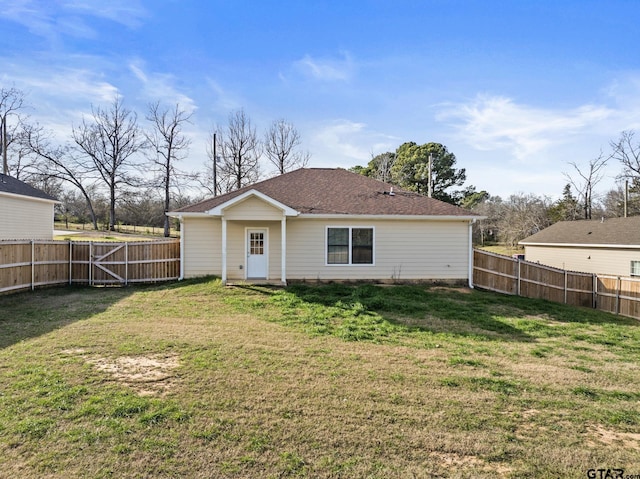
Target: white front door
<point>257,254</point>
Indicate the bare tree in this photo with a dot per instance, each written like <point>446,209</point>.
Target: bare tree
<point>58,162</point>
<point>109,140</point>
<point>11,102</point>
<point>168,144</point>
<point>280,147</point>
<point>523,215</point>
<point>627,151</point>
<point>241,151</point>
<point>586,180</point>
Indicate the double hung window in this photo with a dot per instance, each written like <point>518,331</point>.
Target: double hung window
<point>349,245</point>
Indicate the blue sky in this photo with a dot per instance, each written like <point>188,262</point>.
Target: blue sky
<point>515,89</point>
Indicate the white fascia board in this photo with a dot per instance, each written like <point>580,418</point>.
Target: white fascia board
<point>390,217</point>
<point>219,210</point>
<point>181,215</point>
<point>27,197</point>
<point>586,246</point>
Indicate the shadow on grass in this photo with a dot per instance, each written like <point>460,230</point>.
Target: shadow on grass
<point>438,310</point>
<point>370,310</point>
<point>31,314</point>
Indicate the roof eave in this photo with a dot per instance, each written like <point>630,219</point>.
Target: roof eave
<point>581,245</point>
<point>219,210</point>
<point>29,197</point>
<point>390,217</point>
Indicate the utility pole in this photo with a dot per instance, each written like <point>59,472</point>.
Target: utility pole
<point>215,168</point>
<point>3,144</point>
<point>626,196</point>
<point>430,187</point>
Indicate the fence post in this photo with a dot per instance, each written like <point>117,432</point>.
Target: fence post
<point>594,300</point>
<point>518,287</point>
<point>90,260</point>
<point>126,264</point>
<point>33,265</point>
<point>70,262</point>
<point>565,286</point>
<point>618,286</point>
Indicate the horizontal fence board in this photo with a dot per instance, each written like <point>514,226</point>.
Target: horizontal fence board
<point>494,272</point>
<point>30,264</point>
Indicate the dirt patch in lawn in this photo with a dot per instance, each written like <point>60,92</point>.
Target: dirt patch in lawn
<point>604,436</point>
<point>151,375</point>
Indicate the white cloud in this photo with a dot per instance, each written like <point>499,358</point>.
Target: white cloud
<point>159,87</point>
<point>326,69</point>
<point>346,143</point>
<point>495,122</point>
<point>52,20</point>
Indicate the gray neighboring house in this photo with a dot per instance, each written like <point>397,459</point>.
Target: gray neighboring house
<point>607,246</point>
<point>25,212</point>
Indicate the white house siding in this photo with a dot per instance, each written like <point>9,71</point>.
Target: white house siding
<point>26,218</point>
<point>403,250</point>
<point>201,239</point>
<point>614,261</point>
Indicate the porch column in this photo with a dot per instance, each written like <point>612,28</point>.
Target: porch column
<point>283,241</point>
<point>224,250</point>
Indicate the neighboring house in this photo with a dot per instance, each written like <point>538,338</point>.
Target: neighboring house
<point>325,224</point>
<point>25,212</point>
<point>607,246</point>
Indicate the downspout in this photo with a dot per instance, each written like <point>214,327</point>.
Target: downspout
<point>181,219</point>
<point>471,223</point>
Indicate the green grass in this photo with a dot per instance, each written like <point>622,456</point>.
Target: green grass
<point>198,380</point>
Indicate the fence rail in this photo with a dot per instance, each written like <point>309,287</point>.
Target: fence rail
<point>32,264</point>
<point>615,294</point>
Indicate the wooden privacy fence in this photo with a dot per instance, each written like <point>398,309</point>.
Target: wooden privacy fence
<point>615,294</point>
<point>31,264</point>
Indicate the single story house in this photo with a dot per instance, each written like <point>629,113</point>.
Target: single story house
<point>605,246</point>
<point>25,212</point>
<point>325,224</point>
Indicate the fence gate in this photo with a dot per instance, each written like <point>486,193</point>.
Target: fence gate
<point>109,263</point>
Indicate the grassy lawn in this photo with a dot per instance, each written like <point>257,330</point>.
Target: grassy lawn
<point>198,380</point>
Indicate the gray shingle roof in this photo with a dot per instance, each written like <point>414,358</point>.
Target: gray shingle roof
<point>11,185</point>
<point>613,231</point>
<point>337,191</point>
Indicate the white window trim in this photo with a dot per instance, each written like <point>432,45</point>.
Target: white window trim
<point>631,273</point>
<point>349,264</point>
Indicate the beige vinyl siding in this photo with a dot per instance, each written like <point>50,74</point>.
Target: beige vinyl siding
<point>237,248</point>
<point>403,250</point>
<point>252,208</point>
<point>25,218</point>
<point>201,246</point>
<point>614,261</point>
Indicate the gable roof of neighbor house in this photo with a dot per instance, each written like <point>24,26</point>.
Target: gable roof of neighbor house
<point>609,231</point>
<point>13,186</point>
<point>324,191</point>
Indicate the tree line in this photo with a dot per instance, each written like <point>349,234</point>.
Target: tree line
<point>431,169</point>
<point>111,168</point>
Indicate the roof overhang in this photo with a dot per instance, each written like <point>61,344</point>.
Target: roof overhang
<point>219,210</point>
<point>582,245</point>
<point>393,217</point>
<point>27,197</point>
